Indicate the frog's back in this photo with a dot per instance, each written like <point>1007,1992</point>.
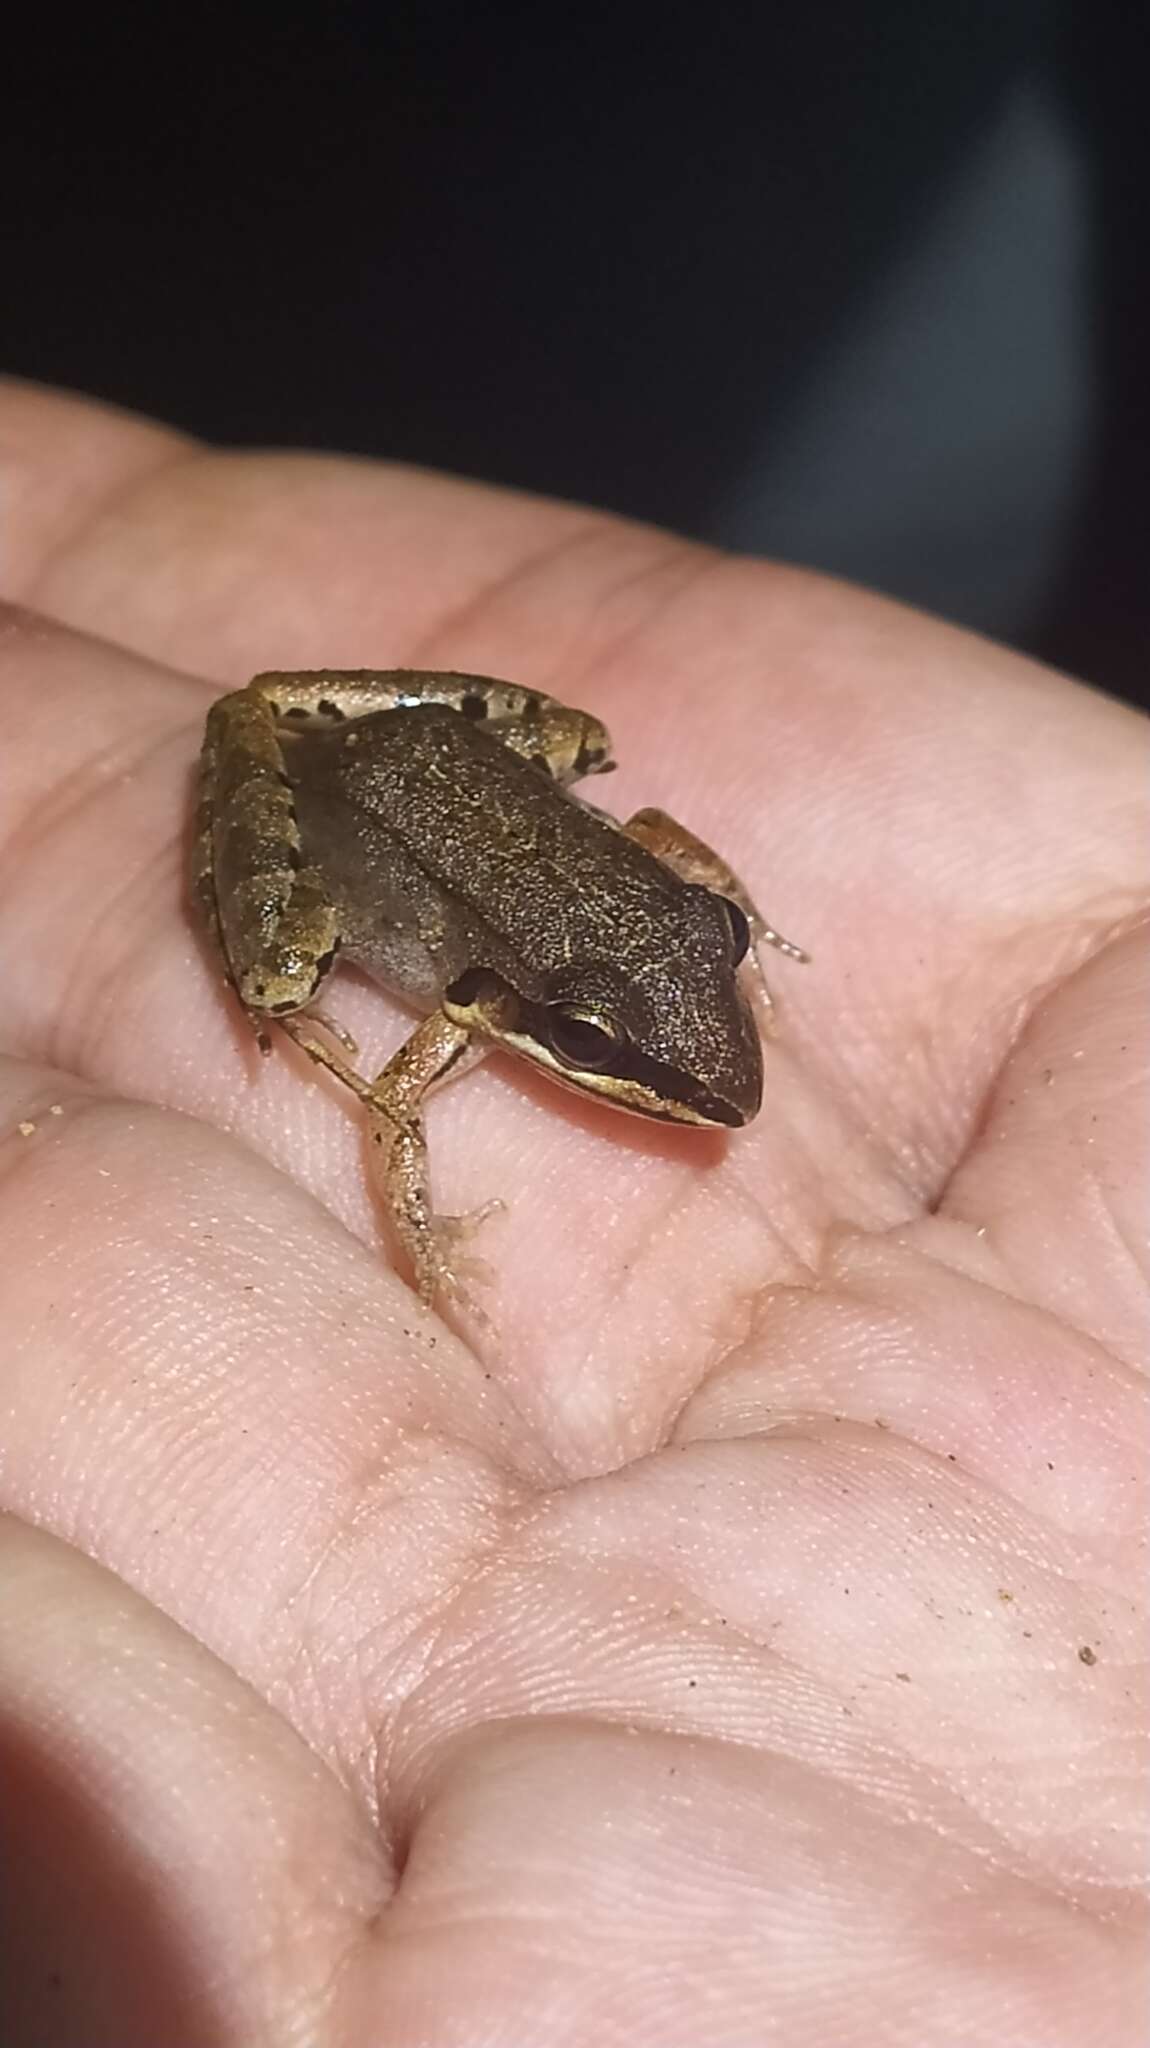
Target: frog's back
<point>531,875</point>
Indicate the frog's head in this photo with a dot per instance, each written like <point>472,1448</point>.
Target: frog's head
<point>669,1034</point>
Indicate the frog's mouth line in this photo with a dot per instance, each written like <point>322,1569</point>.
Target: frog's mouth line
<point>703,1112</point>
<point>643,1086</point>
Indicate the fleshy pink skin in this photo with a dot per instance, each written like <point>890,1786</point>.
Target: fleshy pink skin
<point>742,1642</point>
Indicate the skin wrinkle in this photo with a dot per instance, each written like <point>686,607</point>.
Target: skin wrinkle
<point>313,1654</point>
<point>1135,1255</point>
<point>838,1281</point>
<point>481,605</point>
<point>997,1846</point>
<point>630,1260</point>
<point>686,567</point>
<point>690,563</point>
<point>432,1623</point>
<point>149,883</point>
<point>1077,1574</point>
<point>84,785</point>
<point>1019,1014</point>
<point>981,1283</point>
<point>74,542</point>
<point>439,1649</point>
<point>1058,1317</point>
<point>478,605</point>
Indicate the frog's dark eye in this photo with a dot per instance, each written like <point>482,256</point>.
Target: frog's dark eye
<point>583,1038</point>
<point>740,929</point>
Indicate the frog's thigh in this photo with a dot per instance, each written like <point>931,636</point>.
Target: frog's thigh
<point>694,861</point>
<point>269,913</point>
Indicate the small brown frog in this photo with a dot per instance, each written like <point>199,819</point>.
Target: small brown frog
<point>419,824</point>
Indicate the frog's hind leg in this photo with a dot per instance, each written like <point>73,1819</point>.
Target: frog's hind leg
<point>203,868</point>
<point>267,912</point>
<point>694,861</point>
<point>203,846</point>
<point>565,743</point>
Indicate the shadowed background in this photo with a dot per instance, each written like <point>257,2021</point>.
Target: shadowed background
<point>861,288</point>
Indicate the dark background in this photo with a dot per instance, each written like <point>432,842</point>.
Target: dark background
<point>864,287</point>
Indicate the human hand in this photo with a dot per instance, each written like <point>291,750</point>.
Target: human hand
<point>744,1648</point>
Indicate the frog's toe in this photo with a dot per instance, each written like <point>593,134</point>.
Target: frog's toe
<point>453,1233</point>
<point>458,1274</point>
<point>334,1030</point>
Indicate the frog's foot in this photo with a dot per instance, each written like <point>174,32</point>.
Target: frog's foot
<point>451,1273</point>
<point>341,1036</point>
<point>299,1028</point>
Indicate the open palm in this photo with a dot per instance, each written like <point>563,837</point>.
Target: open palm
<point>738,1643</point>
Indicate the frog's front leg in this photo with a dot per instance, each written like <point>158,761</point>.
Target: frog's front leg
<point>694,861</point>
<point>438,1051</point>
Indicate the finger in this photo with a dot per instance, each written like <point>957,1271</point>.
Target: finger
<point>227,563</point>
<point>188,1870</point>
